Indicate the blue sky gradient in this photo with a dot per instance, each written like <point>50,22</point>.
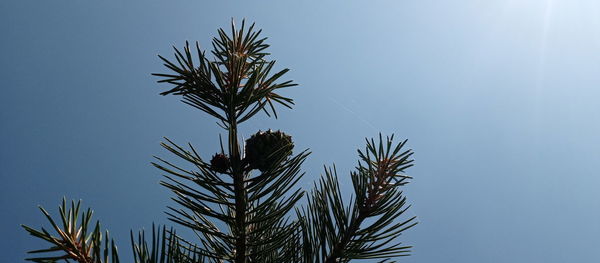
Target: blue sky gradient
<point>498,98</point>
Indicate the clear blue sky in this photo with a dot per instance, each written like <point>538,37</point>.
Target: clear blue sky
<point>498,98</point>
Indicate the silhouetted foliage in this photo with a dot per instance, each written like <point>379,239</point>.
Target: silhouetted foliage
<point>243,202</point>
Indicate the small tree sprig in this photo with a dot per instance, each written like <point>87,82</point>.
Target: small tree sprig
<point>73,241</point>
<point>368,227</point>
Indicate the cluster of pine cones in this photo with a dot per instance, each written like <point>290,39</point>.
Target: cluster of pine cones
<point>262,151</point>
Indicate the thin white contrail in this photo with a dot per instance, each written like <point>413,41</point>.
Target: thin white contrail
<point>549,8</point>
<point>353,112</point>
<point>541,67</point>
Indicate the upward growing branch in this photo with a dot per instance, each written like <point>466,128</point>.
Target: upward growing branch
<point>335,232</point>
<point>74,242</point>
<point>234,87</point>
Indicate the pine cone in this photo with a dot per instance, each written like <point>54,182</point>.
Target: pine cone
<point>219,163</point>
<point>263,149</point>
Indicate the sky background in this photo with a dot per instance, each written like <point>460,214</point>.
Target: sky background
<point>498,98</point>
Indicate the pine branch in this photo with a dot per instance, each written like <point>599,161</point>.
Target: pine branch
<point>233,87</point>
<point>366,228</point>
<point>73,240</point>
<point>236,85</point>
<point>165,247</point>
<point>208,196</point>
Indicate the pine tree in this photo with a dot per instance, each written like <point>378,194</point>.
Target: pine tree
<point>243,203</point>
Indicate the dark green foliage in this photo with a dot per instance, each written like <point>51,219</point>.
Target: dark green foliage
<point>233,88</point>
<point>367,228</point>
<point>165,247</point>
<point>267,197</point>
<point>73,241</point>
<point>243,203</point>
<point>236,85</point>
